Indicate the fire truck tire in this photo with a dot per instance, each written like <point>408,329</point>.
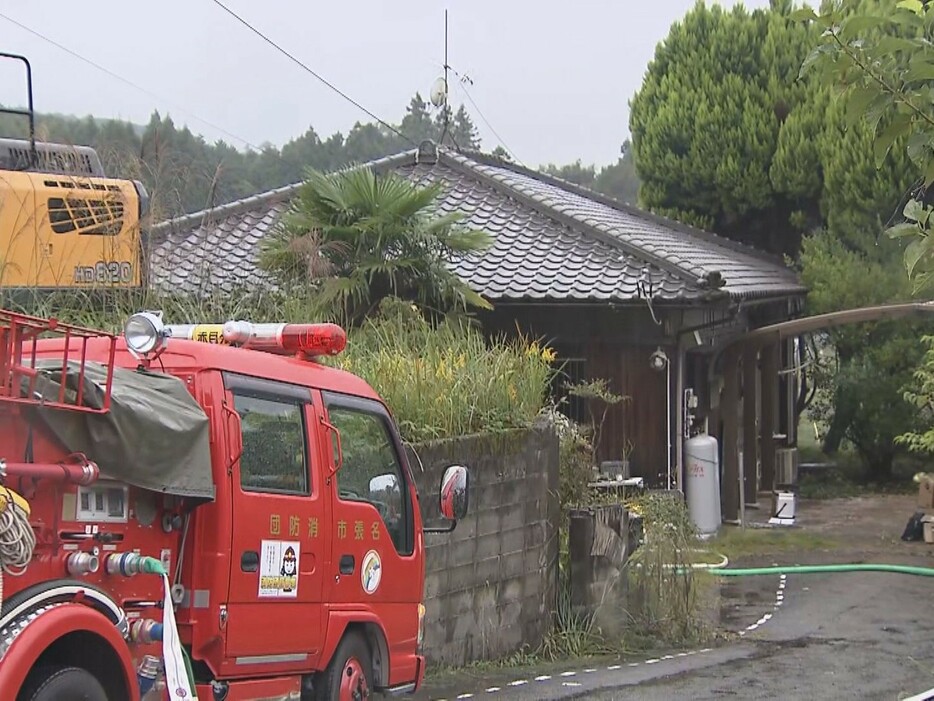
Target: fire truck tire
<point>62,684</point>
<point>349,675</point>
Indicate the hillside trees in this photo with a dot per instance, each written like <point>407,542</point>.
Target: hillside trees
<point>617,180</point>
<point>185,173</point>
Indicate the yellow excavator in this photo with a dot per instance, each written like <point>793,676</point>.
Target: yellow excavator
<point>63,222</point>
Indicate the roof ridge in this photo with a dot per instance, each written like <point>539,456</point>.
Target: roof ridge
<point>627,207</point>
<point>224,210</point>
<point>247,203</point>
<point>454,160</point>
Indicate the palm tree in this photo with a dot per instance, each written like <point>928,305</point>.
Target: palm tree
<point>354,238</point>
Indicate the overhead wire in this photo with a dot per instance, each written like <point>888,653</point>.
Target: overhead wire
<point>312,72</point>
<point>464,78</point>
<point>461,85</point>
<point>128,82</point>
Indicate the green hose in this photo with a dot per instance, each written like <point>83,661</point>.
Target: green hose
<point>151,565</point>
<point>804,569</point>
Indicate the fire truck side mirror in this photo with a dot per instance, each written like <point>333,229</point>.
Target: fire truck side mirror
<point>454,492</point>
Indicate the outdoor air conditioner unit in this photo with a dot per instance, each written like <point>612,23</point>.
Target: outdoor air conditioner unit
<point>786,467</point>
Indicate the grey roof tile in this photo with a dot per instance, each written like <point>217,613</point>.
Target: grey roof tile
<point>551,240</point>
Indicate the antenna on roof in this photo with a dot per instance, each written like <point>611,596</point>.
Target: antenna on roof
<point>439,91</point>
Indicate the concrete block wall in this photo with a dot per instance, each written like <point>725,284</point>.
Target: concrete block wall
<point>491,585</point>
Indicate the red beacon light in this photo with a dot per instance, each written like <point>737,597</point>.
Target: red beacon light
<point>307,340</point>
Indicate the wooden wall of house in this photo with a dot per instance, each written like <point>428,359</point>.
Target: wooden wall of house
<point>642,419</point>
<point>614,344</point>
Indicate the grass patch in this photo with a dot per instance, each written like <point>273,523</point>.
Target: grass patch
<point>735,543</point>
<point>523,658</point>
<point>845,476</point>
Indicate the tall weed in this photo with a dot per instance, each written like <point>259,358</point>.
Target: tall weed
<point>449,380</point>
<point>665,602</point>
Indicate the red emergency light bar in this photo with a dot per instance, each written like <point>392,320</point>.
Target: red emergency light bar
<point>308,340</point>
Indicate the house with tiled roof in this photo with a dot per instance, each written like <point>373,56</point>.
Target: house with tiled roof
<point>611,287</point>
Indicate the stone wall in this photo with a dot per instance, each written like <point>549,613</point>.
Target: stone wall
<point>491,585</point>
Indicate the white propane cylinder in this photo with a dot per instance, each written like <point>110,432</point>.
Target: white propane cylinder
<point>702,483</point>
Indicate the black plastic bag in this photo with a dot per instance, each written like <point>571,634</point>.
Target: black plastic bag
<point>915,528</point>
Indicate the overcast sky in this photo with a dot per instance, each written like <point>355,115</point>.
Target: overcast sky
<point>552,78</point>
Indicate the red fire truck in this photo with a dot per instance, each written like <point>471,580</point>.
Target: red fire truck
<point>203,512</point>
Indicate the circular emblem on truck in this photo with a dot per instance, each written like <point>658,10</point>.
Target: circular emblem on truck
<point>371,572</point>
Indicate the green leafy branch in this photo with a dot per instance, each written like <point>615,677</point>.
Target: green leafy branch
<point>883,66</point>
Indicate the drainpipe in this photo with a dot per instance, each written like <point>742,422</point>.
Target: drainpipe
<point>679,415</point>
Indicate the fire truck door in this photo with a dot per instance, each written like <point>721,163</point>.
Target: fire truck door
<point>279,515</point>
<point>373,561</point>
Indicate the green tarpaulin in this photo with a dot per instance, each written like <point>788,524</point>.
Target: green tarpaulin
<point>155,436</point>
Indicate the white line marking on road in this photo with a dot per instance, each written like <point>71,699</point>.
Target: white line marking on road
<point>610,668</point>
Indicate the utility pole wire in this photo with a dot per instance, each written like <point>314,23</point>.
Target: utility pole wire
<point>485,120</point>
<point>127,81</point>
<point>309,70</point>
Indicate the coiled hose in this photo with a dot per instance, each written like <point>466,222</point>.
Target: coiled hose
<point>17,539</point>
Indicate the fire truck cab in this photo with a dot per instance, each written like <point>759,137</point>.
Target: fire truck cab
<point>204,512</point>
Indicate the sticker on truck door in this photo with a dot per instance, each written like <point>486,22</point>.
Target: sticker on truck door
<point>371,572</point>
<point>278,569</point>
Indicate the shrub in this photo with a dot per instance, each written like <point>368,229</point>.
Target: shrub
<point>575,461</point>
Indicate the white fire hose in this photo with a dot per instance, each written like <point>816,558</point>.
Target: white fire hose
<point>17,539</point>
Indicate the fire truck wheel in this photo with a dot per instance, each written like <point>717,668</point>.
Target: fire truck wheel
<point>349,676</point>
<point>62,684</point>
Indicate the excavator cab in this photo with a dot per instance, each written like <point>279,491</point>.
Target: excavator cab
<point>63,222</point>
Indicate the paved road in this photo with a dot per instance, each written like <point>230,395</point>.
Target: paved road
<point>847,635</point>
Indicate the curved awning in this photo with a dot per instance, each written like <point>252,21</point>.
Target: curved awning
<point>796,327</point>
